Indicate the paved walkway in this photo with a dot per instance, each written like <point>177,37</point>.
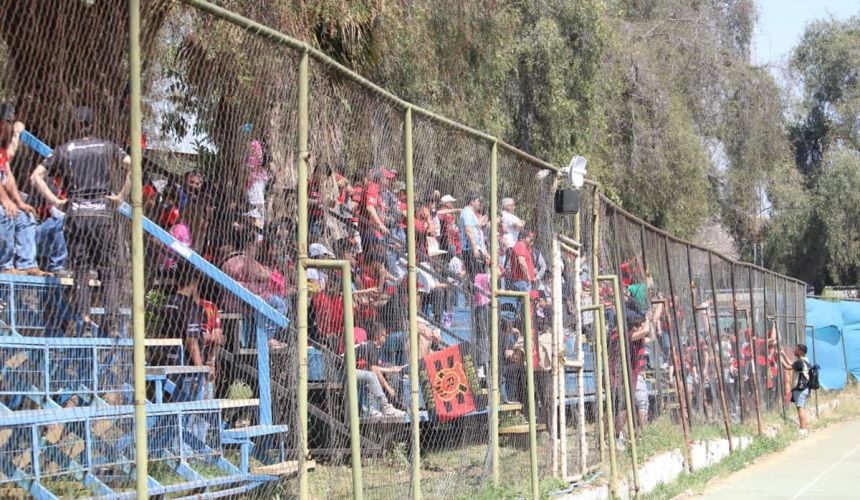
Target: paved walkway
<point>826,464</point>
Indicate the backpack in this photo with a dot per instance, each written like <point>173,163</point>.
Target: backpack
<point>813,383</point>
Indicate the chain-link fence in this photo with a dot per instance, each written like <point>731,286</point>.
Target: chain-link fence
<point>336,284</point>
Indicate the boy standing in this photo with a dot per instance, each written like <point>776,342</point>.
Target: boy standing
<point>800,389</point>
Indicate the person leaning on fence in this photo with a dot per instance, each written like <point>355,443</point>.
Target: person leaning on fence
<point>472,235</point>
<point>521,264</point>
<point>511,223</point>
<point>89,166</point>
<point>17,218</point>
<point>637,329</point>
<point>371,373</point>
<point>800,390</point>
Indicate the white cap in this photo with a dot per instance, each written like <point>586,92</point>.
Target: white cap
<point>448,199</point>
<point>318,250</point>
<point>506,202</point>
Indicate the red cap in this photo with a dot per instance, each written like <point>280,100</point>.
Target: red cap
<point>388,173</point>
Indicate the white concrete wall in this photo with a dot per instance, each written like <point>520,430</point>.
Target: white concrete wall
<point>664,468</point>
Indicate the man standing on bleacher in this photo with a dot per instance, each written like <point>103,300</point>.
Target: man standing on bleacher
<point>90,169</point>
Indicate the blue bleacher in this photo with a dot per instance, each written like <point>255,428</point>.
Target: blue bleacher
<point>66,412</point>
<point>66,409</point>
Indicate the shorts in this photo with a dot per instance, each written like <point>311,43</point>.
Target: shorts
<point>799,397</point>
<point>640,396</point>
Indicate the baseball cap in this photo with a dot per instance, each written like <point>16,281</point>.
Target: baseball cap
<point>319,250</point>
<point>388,173</point>
<point>448,199</point>
<point>506,202</point>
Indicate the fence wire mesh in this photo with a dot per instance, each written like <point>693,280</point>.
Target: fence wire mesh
<point>224,126</point>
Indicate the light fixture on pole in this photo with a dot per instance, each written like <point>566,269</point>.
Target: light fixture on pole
<point>567,197</point>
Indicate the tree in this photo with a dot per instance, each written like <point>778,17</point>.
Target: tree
<point>61,55</point>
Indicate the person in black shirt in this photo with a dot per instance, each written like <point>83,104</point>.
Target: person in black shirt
<point>183,317</point>
<point>90,169</point>
<point>800,389</point>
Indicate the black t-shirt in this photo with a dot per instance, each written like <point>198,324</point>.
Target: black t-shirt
<point>91,169</point>
<point>367,355</point>
<point>183,318</point>
<point>801,377</point>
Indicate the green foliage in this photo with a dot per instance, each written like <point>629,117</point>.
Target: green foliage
<point>837,203</point>
<point>813,234</point>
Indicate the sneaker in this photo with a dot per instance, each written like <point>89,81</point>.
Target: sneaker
<point>373,413</point>
<point>481,372</point>
<point>390,411</point>
<point>803,432</point>
<point>64,273</point>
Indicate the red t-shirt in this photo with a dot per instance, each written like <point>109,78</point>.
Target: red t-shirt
<point>522,250</point>
<point>372,198</point>
<point>213,317</point>
<point>329,314</point>
<point>451,231</point>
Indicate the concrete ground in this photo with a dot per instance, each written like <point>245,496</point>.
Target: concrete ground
<point>825,464</point>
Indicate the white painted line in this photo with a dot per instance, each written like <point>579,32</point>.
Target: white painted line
<point>824,473</point>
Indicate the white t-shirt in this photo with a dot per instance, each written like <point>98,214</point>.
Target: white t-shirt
<point>512,225</point>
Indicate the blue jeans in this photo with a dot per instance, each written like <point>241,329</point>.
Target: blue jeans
<point>51,242</point>
<point>17,241</point>
<point>281,305</point>
<point>521,286</point>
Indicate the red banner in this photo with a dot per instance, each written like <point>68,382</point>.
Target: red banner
<point>452,394</point>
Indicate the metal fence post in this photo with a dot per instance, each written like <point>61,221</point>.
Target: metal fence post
<point>754,360</point>
<point>595,300</point>
<point>529,347</point>
<point>301,271</point>
<point>495,396</point>
<point>559,439</point>
<point>716,345</point>
<point>738,354</point>
<point>815,361</point>
<point>696,330</point>
<point>623,347</point>
<point>658,357</point>
<point>137,258</point>
<point>673,306</point>
<point>413,304</point>
<point>349,361</point>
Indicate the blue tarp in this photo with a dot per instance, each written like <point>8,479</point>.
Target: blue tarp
<point>836,345</point>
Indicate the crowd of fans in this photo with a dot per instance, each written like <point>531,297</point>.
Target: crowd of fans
<point>70,226</point>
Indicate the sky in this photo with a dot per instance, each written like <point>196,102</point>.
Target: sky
<point>781,23</point>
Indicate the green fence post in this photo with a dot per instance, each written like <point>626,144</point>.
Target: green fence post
<point>530,385</point>
<point>301,270</point>
<point>137,260</point>
<point>621,329</point>
<point>413,304</point>
<point>495,396</point>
